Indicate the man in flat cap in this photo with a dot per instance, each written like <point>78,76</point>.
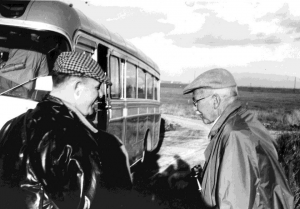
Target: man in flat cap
<point>52,157</point>
<point>241,164</point>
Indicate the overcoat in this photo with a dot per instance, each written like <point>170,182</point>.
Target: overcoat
<point>242,169</point>
<point>50,158</point>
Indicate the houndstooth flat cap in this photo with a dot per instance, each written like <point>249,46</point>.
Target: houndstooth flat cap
<point>79,64</point>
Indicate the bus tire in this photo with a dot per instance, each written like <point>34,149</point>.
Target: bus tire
<point>147,147</point>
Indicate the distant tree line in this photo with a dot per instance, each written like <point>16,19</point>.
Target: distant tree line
<point>240,88</point>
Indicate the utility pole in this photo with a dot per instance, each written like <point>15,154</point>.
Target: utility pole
<point>295,85</point>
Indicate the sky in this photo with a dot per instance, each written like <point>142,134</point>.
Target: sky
<point>188,37</point>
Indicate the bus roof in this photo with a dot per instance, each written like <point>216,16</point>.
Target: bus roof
<point>50,12</point>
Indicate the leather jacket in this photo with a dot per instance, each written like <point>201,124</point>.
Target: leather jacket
<point>50,159</point>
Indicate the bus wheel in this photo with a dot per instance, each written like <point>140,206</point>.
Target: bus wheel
<point>147,147</point>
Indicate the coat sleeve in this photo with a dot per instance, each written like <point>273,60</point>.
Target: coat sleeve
<point>62,169</point>
<point>116,178</point>
<point>237,180</point>
<point>116,170</point>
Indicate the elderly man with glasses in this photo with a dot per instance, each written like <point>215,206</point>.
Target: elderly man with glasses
<point>241,163</point>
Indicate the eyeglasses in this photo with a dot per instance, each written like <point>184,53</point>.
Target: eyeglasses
<point>195,102</point>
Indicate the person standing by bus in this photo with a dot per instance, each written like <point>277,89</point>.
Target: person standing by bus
<point>24,63</point>
<point>52,157</point>
<point>241,163</point>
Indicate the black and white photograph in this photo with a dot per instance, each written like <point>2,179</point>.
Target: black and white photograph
<point>161,104</point>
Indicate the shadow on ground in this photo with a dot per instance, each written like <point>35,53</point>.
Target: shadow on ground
<point>173,188</point>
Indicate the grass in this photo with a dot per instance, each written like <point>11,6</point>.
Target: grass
<point>288,146</point>
<point>277,109</point>
<point>174,103</point>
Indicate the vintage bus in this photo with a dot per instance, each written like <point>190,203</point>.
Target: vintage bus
<point>131,106</point>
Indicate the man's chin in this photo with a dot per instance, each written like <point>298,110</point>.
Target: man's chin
<point>206,122</point>
<point>91,116</point>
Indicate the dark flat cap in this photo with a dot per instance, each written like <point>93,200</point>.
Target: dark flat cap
<point>79,64</point>
<point>217,78</point>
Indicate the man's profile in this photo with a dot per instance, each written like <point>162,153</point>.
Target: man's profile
<point>241,163</point>
<point>52,157</point>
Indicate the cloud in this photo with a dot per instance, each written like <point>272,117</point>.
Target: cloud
<point>190,3</point>
<point>284,18</point>
<point>292,24</point>
<point>130,22</point>
<point>188,36</point>
<point>297,39</point>
<point>135,22</point>
<point>176,61</point>
<point>212,41</point>
<point>219,32</point>
<point>272,40</point>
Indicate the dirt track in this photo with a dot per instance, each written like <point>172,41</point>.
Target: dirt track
<point>187,142</point>
<point>163,181</point>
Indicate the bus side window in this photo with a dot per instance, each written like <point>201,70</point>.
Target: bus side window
<point>141,84</point>
<point>131,81</point>
<point>115,92</point>
<point>149,86</point>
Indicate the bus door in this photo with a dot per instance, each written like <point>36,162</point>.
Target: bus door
<point>104,107</point>
<point>116,113</point>
<point>86,44</point>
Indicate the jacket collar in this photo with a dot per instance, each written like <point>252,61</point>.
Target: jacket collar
<point>54,99</point>
<point>73,110</point>
<point>224,116</point>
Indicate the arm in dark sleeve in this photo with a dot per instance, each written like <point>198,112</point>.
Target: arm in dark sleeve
<point>116,177</point>
<point>59,167</point>
<point>116,171</point>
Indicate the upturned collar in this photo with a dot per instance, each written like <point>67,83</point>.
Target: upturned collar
<point>72,111</point>
<point>234,106</point>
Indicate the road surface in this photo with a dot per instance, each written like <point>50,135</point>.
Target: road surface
<point>187,142</point>
<point>163,181</point>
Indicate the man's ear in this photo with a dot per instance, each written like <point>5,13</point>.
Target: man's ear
<point>217,101</point>
<point>78,88</point>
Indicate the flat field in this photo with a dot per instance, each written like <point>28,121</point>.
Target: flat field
<point>276,108</point>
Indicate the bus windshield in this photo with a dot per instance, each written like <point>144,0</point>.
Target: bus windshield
<point>25,55</point>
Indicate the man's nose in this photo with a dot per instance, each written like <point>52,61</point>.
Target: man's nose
<point>195,108</point>
<point>101,93</point>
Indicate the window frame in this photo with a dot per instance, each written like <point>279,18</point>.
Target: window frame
<point>126,83</point>
<point>119,72</point>
<point>152,78</point>
<point>144,82</point>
